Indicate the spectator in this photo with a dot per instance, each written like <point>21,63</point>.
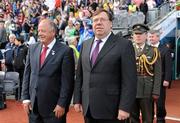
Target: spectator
<point>87,34</point>
<point>159,2</point>
<point>32,39</point>
<point>1,68</point>
<point>8,54</point>
<point>132,8</point>
<point>73,44</point>
<point>26,26</point>
<point>144,9</point>
<point>151,4</point>
<point>19,59</point>
<point>69,31</point>
<point>116,7</point>
<point>3,35</point>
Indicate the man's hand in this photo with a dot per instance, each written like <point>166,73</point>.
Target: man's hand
<point>59,111</point>
<point>78,107</point>
<point>155,97</point>
<point>122,115</point>
<point>166,83</point>
<point>27,107</point>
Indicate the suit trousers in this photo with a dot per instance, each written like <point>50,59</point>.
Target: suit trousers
<point>35,117</point>
<point>161,110</point>
<point>145,105</point>
<point>89,119</point>
<point>18,91</point>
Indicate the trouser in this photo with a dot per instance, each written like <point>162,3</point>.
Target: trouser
<point>89,119</point>
<point>161,110</point>
<point>145,106</point>
<point>18,91</point>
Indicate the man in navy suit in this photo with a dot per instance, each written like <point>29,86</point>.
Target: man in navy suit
<point>105,87</point>
<point>48,77</point>
<point>154,38</point>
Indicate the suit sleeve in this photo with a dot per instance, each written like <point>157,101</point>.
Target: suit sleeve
<point>168,66</point>
<point>78,82</point>
<point>67,78</point>
<point>129,78</point>
<point>157,76</point>
<point>26,78</point>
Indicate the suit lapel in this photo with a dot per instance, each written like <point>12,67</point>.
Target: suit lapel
<point>38,51</point>
<point>160,47</point>
<point>89,46</point>
<point>110,43</point>
<point>51,54</point>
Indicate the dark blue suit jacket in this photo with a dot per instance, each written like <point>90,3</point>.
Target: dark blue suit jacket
<point>52,83</point>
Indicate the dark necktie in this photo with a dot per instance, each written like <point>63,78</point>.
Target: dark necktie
<point>95,52</point>
<point>139,49</point>
<point>43,55</point>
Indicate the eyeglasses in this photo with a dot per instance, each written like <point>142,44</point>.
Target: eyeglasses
<point>100,19</point>
<point>139,33</point>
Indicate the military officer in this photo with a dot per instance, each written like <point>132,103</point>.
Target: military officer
<point>148,64</point>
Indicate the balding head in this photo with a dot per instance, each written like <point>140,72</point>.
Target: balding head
<point>50,24</point>
<point>46,31</point>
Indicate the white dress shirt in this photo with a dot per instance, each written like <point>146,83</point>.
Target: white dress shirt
<point>50,46</point>
<point>100,45</point>
<point>155,45</point>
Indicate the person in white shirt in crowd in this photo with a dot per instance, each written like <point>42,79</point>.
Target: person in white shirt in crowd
<point>151,4</point>
<point>32,39</point>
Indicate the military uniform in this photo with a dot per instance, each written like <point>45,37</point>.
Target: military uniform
<point>148,64</point>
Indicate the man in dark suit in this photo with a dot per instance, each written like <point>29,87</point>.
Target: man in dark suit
<point>154,38</point>
<point>148,64</point>
<point>105,84</point>
<point>48,77</point>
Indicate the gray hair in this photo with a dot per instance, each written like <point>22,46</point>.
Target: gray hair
<point>157,32</point>
<point>51,23</point>
<point>12,35</point>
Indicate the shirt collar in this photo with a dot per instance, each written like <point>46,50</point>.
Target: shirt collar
<point>51,44</point>
<point>142,46</point>
<point>104,39</point>
<point>156,45</point>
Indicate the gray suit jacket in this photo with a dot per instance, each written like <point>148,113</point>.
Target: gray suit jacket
<point>110,84</point>
<point>52,83</point>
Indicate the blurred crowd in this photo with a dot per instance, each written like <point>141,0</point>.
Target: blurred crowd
<point>72,17</point>
<point>19,22</point>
